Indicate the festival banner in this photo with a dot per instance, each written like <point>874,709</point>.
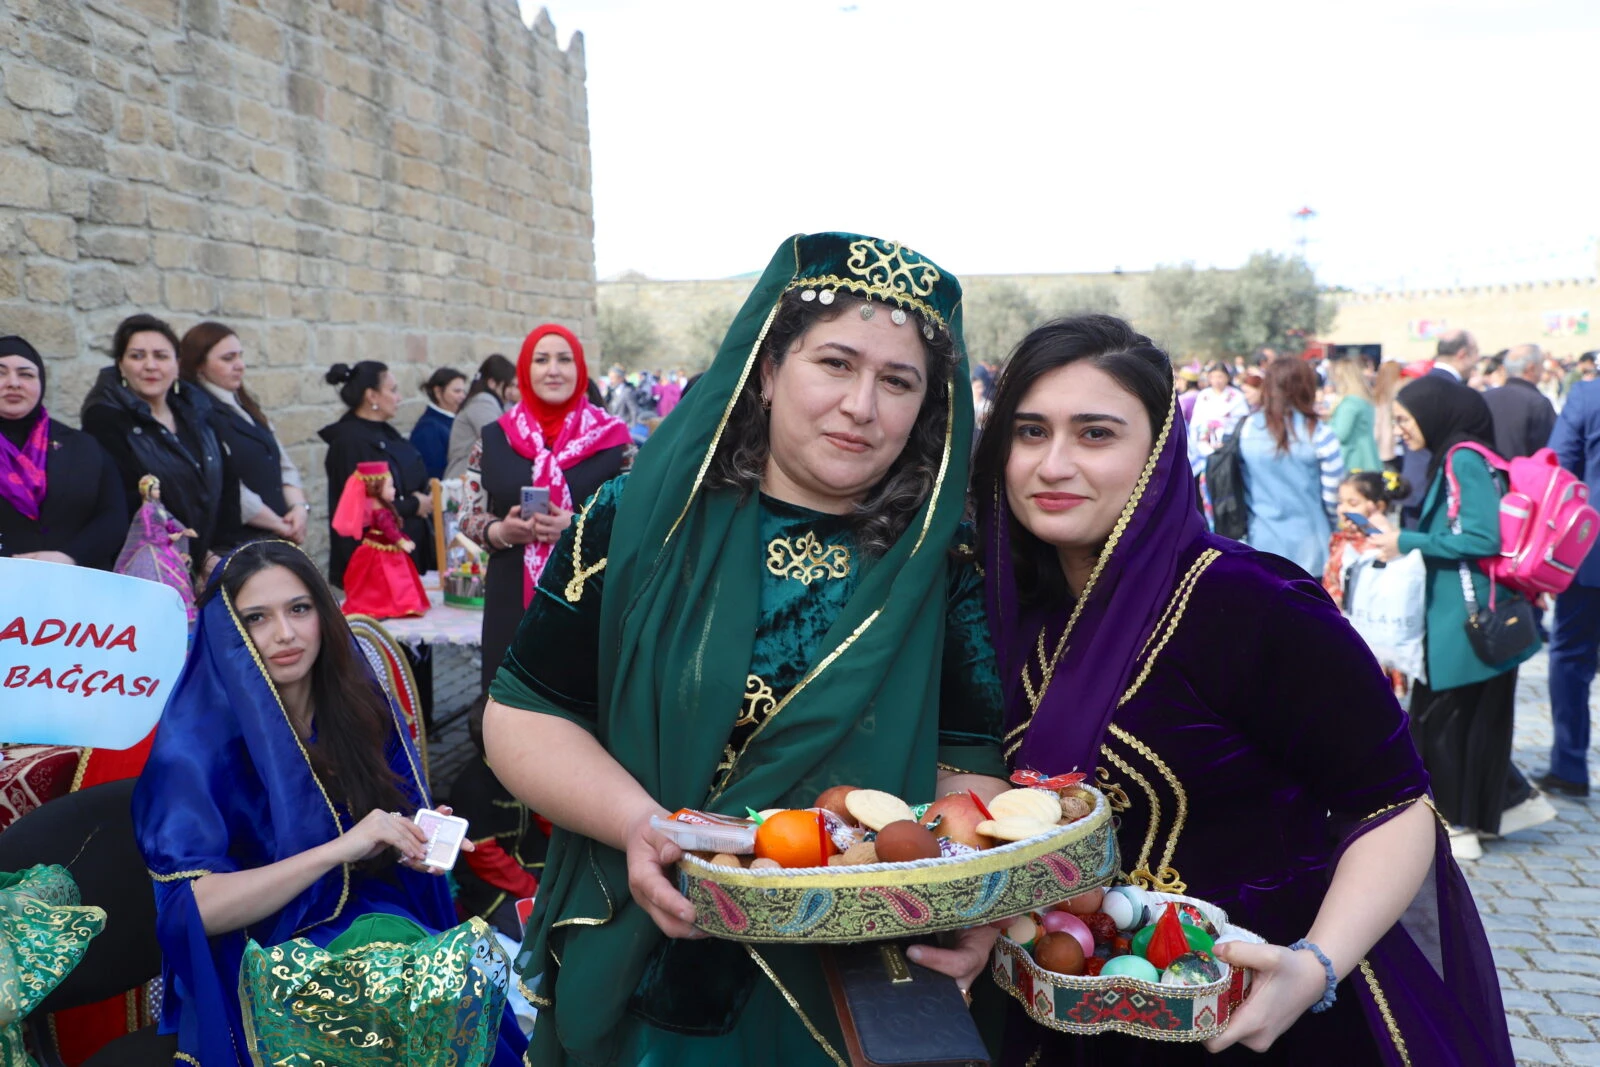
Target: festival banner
<point>1566,323</point>
<point>87,657</point>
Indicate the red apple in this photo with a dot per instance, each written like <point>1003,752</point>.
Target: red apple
<point>833,800</point>
<point>958,817</point>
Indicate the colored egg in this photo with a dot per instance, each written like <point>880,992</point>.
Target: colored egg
<point>1199,940</point>
<point>1059,953</point>
<point>1130,967</point>
<point>1193,916</point>
<point>1063,922</point>
<point>1085,903</point>
<point>1192,968</point>
<point>1125,904</point>
<point>1024,931</point>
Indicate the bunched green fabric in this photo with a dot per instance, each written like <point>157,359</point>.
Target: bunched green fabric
<point>677,630</point>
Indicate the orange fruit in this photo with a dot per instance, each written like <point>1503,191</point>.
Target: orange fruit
<point>794,838</point>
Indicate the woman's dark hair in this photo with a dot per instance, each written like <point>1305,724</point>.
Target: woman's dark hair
<point>196,345</point>
<point>353,716</point>
<point>494,370</point>
<point>140,323</point>
<point>1221,366</point>
<point>1288,386</point>
<point>439,381</point>
<point>888,508</point>
<point>1373,486</point>
<point>353,382</point>
<point>1108,344</point>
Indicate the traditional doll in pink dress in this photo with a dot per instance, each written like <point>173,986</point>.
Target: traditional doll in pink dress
<point>380,579</point>
<point>157,546</point>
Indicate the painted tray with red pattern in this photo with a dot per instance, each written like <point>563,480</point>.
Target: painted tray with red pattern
<point>876,901</point>
<point>1082,1005</point>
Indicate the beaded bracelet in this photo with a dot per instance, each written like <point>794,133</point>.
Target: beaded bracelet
<point>1330,993</point>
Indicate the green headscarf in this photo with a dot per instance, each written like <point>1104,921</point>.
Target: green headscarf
<point>678,623</point>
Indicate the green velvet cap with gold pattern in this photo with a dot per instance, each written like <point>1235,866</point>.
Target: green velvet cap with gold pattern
<point>882,270</point>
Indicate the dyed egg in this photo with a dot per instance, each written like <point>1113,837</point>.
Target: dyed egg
<point>1193,916</point>
<point>1198,940</point>
<point>1192,968</point>
<point>1131,967</point>
<point>1024,931</point>
<point>1060,953</point>
<point>1125,904</point>
<point>1085,903</point>
<point>905,840</point>
<point>1063,922</point>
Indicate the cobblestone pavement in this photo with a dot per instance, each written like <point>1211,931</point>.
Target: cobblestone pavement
<point>1539,893</point>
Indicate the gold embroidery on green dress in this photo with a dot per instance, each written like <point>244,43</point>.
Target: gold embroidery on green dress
<point>759,702</point>
<point>580,573</point>
<point>807,559</point>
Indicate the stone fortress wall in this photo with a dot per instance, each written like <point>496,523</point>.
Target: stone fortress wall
<point>403,180</point>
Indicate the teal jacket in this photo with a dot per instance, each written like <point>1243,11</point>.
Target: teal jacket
<point>1451,661</point>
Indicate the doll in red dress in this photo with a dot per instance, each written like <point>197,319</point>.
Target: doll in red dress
<point>380,580</point>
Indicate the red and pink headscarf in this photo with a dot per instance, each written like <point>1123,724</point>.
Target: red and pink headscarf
<point>25,443</point>
<point>555,437</point>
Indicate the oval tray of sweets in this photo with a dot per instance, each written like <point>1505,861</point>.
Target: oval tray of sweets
<point>464,590</point>
<point>1159,1010</point>
<point>878,901</point>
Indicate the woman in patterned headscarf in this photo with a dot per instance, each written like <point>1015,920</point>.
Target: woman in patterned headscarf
<point>782,546</point>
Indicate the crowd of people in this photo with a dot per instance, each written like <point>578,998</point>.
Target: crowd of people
<point>995,568</point>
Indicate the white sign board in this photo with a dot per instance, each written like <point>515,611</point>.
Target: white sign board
<point>87,657</point>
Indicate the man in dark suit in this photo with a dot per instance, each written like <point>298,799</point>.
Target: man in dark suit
<point>1523,418</point>
<point>1575,637</point>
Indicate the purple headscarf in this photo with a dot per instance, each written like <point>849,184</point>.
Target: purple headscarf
<point>1136,573</point>
<point>24,443</point>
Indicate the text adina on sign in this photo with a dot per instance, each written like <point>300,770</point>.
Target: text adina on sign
<point>108,636</point>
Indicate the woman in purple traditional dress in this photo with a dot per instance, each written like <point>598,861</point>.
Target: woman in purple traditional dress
<point>1252,745</point>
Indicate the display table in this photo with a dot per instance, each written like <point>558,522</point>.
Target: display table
<point>442,625</point>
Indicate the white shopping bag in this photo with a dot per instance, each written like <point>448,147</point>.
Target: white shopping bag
<point>1385,602</point>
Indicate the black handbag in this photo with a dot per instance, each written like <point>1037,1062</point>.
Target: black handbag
<point>1230,508</point>
<point>1502,631</point>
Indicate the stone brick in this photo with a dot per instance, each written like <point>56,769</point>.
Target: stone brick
<point>143,285</point>
<point>97,287</point>
<point>241,298</point>
<point>228,260</point>
<point>255,34</point>
<point>177,213</point>
<point>24,182</point>
<point>50,330</point>
<point>47,283</point>
<point>10,279</point>
<point>119,246</point>
<point>69,193</point>
<point>272,165</point>
<point>52,236</point>
<point>117,202</point>
<point>40,90</point>
<point>190,292</point>
<point>68,147</point>
<point>205,104</point>
<point>131,126</point>
<point>62,54</point>
<point>256,120</point>
<point>95,111</point>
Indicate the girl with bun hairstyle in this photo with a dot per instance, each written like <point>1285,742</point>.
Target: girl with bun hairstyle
<point>1365,493</point>
<point>364,434</point>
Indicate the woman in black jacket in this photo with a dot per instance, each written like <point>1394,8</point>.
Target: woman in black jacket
<point>150,423</point>
<point>363,435</point>
<point>270,498</point>
<point>60,500</point>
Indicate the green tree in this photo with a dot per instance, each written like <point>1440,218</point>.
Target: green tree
<point>628,336</point>
<point>706,334</point>
<point>995,318</point>
<point>1210,314</point>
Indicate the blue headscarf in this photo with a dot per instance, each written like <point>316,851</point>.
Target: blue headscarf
<point>229,786</point>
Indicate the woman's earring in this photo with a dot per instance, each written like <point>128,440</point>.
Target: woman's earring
<point>374,405</point>
<point>766,402</point>
<point>124,383</point>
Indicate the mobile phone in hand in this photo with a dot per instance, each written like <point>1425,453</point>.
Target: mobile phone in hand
<point>445,834</point>
<point>535,500</point>
<point>1360,523</point>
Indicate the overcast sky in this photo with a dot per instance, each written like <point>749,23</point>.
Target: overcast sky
<point>1439,141</point>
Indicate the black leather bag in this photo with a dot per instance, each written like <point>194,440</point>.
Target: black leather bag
<point>1230,509</point>
<point>895,1013</point>
<point>1502,631</point>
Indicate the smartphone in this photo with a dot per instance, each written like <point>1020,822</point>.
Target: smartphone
<point>535,500</point>
<point>1360,523</point>
<point>445,834</point>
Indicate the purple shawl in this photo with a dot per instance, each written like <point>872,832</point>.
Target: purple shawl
<point>22,478</point>
<point>1136,571</point>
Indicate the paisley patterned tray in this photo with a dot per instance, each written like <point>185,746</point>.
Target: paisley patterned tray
<point>888,900</point>
<point>1082,1005</point>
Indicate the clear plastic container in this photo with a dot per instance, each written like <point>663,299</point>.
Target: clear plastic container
<point>699,831</point>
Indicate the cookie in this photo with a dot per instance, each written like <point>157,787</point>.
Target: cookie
<point>1015,828</point>
<point>1039,805</point>
<point>875,809</point>
<point>858,854</point>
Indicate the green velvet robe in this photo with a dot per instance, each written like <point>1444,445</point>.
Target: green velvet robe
<point>811,569</point>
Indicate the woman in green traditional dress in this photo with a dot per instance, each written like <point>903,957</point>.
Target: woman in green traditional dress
<point>778,599</point>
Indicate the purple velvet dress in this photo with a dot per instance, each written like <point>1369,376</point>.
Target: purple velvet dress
<point>1247,736</point>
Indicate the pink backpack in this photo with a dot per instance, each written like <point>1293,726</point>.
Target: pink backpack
<point>1546,524</point>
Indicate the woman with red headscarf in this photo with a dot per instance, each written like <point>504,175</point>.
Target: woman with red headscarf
<point>552,439</point>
